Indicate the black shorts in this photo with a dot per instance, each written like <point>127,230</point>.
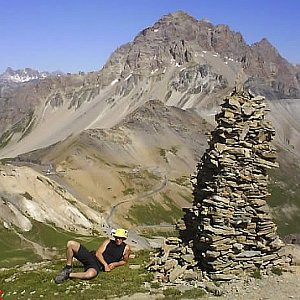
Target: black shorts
<point>88,259</point>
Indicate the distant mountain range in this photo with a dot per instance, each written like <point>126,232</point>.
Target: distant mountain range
<point>25,75</point>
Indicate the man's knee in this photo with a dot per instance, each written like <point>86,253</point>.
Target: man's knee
<point>91,273</point>
<point>73,245</point>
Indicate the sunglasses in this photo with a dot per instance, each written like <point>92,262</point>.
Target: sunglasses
<point>119,238</point>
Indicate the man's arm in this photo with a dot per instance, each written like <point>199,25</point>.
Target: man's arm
<point>99,255</point>
<point>124,260</point>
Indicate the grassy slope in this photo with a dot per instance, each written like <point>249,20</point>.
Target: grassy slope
<point>38,283</point>
<point>285,203</point>
<point>13,250</point>
<point>17,251</point>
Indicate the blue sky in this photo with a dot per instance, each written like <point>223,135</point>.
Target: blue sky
<point>80,35</point>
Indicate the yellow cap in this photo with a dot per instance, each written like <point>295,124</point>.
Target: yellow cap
<point>120,232</point>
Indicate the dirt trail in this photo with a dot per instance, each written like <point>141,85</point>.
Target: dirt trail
<point>133,237</point>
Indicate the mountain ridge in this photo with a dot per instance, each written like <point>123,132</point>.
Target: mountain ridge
<point>25,75</point>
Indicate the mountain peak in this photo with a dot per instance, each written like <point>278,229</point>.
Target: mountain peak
<point>177,18</point>
<point>179,14</point>
<point>264,43</point>
<point>266,49</point>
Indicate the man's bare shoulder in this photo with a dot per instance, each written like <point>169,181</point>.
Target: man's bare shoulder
<point>103,245</point>
<point>105,242</point>
<point>127,248</point>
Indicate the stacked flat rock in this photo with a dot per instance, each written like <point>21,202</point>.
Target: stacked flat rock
<point>174,262</point>
<point>229,225</point>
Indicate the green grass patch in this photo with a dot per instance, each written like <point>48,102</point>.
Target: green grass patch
<point>14,250</point>
<point>145,174</point>
<point>175,210</point>
<point>155,285</point>
<point>174,150</point>
<point>162,153</point>
<point>256,274</point>
<point>138,174</point>
<point>277,271</point>
<point>38,283</point>
<point>5,138</point>
<point>155,213</point>
<point>193,293</point>
<point>50,236</point>
<point>27,196</point>
<point>153,232</point>
<point>279,195</point>
<point>128,191</point>
<point>285,203</point>
<point>172,293</point>
<point>182,181</point>
<point>29,125</point>
<point>137,180</point>
<point>24,126</point>
<point>189,198</point>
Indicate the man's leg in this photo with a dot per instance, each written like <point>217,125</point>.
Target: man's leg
<point>72,248</point>
<point>75,249</point>
<point>88,274</point>
<point>64,274</point>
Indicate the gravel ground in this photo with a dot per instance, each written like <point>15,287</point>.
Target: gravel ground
<point>271,287</point>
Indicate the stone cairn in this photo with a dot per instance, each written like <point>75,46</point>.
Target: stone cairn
<point>228,232</point>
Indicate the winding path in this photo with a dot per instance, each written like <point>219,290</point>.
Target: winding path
<point>133,237</point>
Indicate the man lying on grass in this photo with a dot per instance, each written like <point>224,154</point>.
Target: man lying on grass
<point>110,254</point>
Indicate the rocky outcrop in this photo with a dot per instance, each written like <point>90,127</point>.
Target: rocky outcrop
<point>28,196</point>
<point>229,227</point>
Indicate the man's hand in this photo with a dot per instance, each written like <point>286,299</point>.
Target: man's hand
<point>112,266</point>
<point>107,268</point>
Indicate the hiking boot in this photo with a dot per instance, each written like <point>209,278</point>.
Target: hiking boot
<point>63,274</point>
